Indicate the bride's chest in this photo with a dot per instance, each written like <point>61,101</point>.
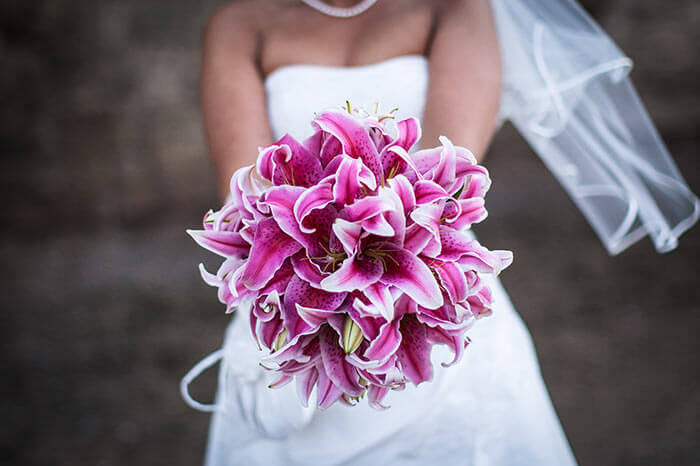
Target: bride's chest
<point>305,36</point>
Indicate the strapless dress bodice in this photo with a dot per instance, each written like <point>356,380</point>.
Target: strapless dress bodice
<point>296,92</point>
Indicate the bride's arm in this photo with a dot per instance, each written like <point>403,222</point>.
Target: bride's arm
<point>465,77</point>
<point>232,93</point>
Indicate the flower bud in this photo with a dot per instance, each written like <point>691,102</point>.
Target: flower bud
<point>352,336</point>
<point>281,340</point>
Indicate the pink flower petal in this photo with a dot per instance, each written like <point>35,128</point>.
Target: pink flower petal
<point>279,281</point>
<point>396,161</point>
<point>281,201</point>
<point>316,197</point>
<point>375,396</point>
<point>305,384</point>
<point>314,317</point>
<point>266,159</point>
<point>414,352</point>
<point>456,342</point>
<point>313,143</point>
<point>327,392</point>
<point>348,233</point>
<point>458,247</point>
<point>353,136</point>
<point>428,217</point>
<point>367,207</point>
<point>267,332</point>
<point>330,149</point>
<point>351,177</point>
<point>307,270</point>
<point>481,302</point>
<point>267,306</point>
<point>453,280</point>
<point>386,343</point>
<point>417,238</point>
<point>395,216</point>
<point>356,273</point>
<point>381,302</point>
<point>475,186</point>
<point>428,191</point>
<point>290,163</point>
<point>409,132</point>
<point>270,248</point>
<point>426,160</point>
<point>470,211</point>
<point>378,225</point>
<point>223,243</point>
<point>341,373</point>
<point>445,171</point>
<point>412,276</point>
<point>300,293</point>
<point>369,324</point>
<point>404,190</point>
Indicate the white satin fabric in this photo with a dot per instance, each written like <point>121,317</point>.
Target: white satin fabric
<point>490,409</point>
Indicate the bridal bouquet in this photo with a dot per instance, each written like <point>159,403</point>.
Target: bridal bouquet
<point>352,255</point>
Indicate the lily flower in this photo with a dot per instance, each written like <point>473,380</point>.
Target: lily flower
<point>352,254</point>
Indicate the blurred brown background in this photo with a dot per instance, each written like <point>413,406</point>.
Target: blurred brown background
<point>104,166</point>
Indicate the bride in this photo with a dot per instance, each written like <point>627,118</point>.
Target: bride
<point>462,67</point>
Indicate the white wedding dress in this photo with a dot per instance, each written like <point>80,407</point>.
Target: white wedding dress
<point>566,90</point>
<point>490,408</point>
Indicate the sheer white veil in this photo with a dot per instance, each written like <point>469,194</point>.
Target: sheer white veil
<point>567,91</point>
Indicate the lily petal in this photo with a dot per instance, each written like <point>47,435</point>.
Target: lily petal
<point>348,233</point>
<point>453,280</point>
<point>428,191</point>
<point>327,392</point>
<point>351,176</point>
<point>375,396</point>
<point>428,217</point>
<point>381,302</point>
<point>223,243</point>
<point>341,373</point>
<point>414,352</point>
<point>404,190</point>
<point>458,247</point>
<point>445,171</point>
<point>456,342</point>
<point>270,248</point>
<point>412,276</point>
<point>409,132</point>
<point>470,211</point>
<point>281,200</point>
<point>353,136</point>
<point>290,163</point>
<point>300,293</point>
<point>305,384</point>
<point>316,197</point>
<point>308,270</point>
<point>356,273</point>
<point>386,344</point>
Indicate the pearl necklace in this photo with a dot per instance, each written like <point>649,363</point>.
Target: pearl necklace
<point>340,12</point>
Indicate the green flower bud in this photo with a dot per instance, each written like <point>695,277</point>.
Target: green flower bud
<point>352,336</point>
<point>281,340</point>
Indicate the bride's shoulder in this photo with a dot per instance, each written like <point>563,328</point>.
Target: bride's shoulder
<point>237,25</point>
<point>232,14</point>
<point>463,9</point>
<point>249,15</point>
